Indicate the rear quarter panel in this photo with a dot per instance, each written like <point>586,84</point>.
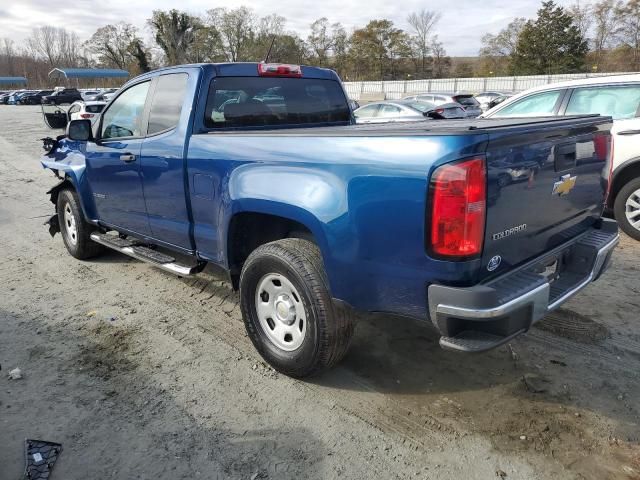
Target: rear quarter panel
<point>363,198</point>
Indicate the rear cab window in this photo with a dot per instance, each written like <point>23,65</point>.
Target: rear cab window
<point>617,101</point>
<point>250,102</point>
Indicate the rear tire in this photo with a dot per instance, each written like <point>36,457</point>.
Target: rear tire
<point>626,208</point>
<point>74,229</point>
<point>288,311</point>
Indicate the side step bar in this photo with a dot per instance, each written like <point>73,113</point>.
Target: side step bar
<point>145,254</point>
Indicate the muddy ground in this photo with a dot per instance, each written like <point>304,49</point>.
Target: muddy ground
<point>140,374</point>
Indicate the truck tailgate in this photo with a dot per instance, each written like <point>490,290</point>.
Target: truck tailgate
<point>543,187</point>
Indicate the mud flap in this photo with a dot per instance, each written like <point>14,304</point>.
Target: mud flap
<point>54,225</point>
<point>39,458</point>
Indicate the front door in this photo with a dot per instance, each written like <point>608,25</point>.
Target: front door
<point>113,162</point>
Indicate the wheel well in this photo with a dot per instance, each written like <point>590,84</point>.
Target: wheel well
<point>628,173</point>
<point>55,191</point>
<point>249,230</point>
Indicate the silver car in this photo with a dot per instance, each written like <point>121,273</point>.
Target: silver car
<point>406,111</point>
<point>470,104</point>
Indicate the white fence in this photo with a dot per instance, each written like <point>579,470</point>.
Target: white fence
<point>399,88</point>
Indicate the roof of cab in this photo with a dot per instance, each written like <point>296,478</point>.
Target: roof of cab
<point>244,69</point>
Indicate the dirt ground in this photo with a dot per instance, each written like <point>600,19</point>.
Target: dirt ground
<point>140,374</point>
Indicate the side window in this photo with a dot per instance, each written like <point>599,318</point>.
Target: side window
<point>74,109</point>
<point>124,116</point>
<point>368,111</point>
<point>537,105</point>
<point>166,105</point>
<point>389,111</point>
<point>622,101</point>
<point>425,98</point>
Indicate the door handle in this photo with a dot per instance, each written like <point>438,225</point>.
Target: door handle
<point>630,132</point>
<point>128,157</point>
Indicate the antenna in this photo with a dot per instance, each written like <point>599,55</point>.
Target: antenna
<point>266,58</point>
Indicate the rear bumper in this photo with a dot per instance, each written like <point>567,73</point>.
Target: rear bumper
<point>485,316</point>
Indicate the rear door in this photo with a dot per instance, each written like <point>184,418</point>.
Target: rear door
<point>113,162</point>
<point>162,160</point>
<point>544,187</point>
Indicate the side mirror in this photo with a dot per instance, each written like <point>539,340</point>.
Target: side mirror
<point>79,130</point>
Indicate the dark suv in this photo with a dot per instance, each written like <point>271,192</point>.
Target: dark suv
<point>66,95</point>
<point>35,98</point>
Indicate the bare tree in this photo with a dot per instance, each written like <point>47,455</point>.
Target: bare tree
<point>9,53</point>
<point>57,46</point>
<point>111,44</point>
<point>423,23</point>
<point>175,34</point>
<point>441,62</point>
<point>606,23</point>
<point>498,49</point>
<point>237,30</point>
<point>320,41</point>
<point>628,31</point>
<point>582,17</point>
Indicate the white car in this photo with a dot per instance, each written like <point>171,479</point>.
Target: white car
<point>86,111</point>
<point>88,94</point>
<point>616,96</point>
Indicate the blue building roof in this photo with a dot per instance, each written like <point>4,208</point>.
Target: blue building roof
<point>88,73</point>
<point>13,80</point>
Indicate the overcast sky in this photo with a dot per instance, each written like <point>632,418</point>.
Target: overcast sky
<point>462,25</point>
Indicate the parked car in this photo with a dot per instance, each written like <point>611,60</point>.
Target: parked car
<point>406,111</point>
<point>497,101</point>
<point>442,111</point>
<point>470,104</point>
<point>18,98</point>
<point>313,218</point>
<point>103,96</point>
<point>62,96</point>
<point>87,95</point>
<point>86,110</point>
<point>14,96</point>
<point>616,96</point>
<point>35,98</point>
<point>485,98</point>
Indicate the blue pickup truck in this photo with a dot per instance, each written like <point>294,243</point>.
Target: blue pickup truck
<point>258,170</point>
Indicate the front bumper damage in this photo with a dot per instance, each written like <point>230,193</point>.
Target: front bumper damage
<point>484,316</point>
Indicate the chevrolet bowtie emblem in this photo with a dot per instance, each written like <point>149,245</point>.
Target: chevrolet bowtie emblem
<point>564,185</point>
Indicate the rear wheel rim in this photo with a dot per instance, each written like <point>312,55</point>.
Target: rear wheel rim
<point>632,209</point>
<point>280,312</point>
<point>70,228</point>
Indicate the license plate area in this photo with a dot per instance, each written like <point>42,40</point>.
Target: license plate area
<point>549,269</point>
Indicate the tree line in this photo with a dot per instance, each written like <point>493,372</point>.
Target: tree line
<point>600,36</point>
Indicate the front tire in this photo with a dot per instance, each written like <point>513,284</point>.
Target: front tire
<point>288,310</point>
<point>73,227</point>
<point>626,208</point>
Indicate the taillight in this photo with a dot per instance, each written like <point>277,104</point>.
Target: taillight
<point>279,70</point>
<point>601,146</point>
<point>86,115</point>
<point>610,160</point>
<point>458,209</point>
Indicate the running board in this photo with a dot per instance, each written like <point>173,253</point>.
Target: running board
<point>145,254</point>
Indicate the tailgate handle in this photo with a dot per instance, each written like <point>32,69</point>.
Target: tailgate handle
<point>128,157</point>
<point>565,156</point>
<point>630,132</point>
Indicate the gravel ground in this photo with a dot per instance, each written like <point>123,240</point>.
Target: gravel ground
<point>140,374</point>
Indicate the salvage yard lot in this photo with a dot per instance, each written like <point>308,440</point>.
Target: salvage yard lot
<point>140,374</point>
